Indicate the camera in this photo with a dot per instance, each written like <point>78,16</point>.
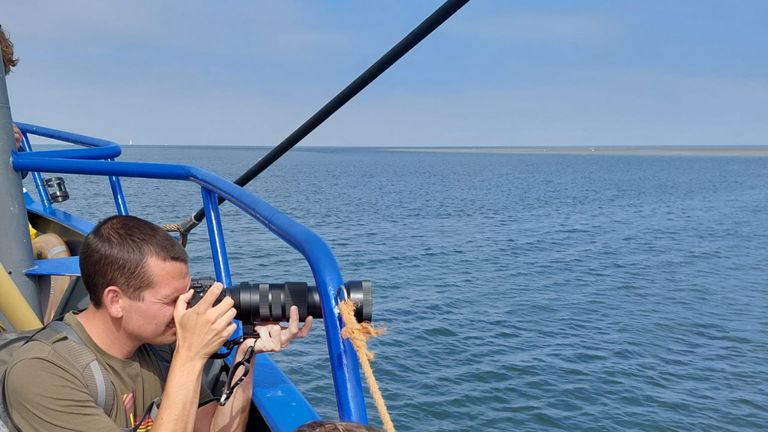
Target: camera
<point>257,302</point>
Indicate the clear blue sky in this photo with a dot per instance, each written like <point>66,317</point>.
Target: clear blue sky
<point>499,73</point>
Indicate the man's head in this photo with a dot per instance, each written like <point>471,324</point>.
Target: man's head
<point>6,46</point>
<point>117,253</point>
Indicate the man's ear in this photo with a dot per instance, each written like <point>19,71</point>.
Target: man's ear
<point>113,301</point>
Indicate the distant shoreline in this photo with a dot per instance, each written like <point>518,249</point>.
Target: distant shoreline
<point>606,150</point>
<point>617,150</point>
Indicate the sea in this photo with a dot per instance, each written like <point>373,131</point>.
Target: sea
<point>520,291</point>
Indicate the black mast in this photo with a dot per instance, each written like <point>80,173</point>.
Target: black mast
<point>393,55</point>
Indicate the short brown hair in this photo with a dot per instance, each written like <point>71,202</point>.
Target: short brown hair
<point>7,48</point>
<point>116,251</point>
<point>334,426</point>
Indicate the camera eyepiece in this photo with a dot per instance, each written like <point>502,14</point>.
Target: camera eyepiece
<point>272,301</point>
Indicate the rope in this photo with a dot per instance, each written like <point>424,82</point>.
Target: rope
<point>177,228</point>
<point>358,334</point>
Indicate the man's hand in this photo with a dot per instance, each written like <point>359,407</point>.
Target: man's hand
<point>17,135</point>
<point>273,337</point>
<point>203,329</point>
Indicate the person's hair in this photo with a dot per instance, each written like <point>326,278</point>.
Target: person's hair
<point>334,426</point>
<point>7,48</point>
<point>116,251</point>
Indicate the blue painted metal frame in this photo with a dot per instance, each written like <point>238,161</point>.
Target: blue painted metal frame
<point>36,176</point>
<point>76,223</point>
<point>325,269</point>
<point>99,149</point>
<point>216,236</point>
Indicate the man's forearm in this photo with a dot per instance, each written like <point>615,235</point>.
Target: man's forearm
<point>234,415</point>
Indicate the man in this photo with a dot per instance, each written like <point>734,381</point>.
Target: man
<point>138,282</point>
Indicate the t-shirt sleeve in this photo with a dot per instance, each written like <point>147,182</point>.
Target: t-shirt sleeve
<point>42,396</point>
<point>205,392</point>
<point>205,395</point>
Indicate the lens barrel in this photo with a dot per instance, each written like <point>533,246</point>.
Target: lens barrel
<point>258,302</point>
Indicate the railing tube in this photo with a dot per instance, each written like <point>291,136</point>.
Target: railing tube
<point>117,193</point>
<point>37,178</point>
<point>216,237</point>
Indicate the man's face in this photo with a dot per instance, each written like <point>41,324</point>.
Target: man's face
<point>151,319</point>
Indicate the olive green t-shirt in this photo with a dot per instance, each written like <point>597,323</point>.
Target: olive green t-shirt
<point>46,392</point>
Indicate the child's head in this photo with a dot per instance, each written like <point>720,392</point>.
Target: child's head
<point>333,426</point>
<point>7,48</point>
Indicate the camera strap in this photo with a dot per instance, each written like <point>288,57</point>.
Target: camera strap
<point>243,365</point>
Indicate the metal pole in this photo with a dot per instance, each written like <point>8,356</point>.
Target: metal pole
<point>16,247</point>
<point>393,55</point>
<point>216,237</point>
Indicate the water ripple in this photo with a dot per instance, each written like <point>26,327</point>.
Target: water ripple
<point>525,292</point>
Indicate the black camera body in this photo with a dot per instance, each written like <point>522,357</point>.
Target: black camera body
<point>200,287</point>
<point>271,302</point>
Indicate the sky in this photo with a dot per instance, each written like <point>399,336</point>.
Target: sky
<point>498,73</point>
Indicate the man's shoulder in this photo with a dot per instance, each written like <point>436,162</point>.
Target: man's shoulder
<point>37,365</point>
<point>43,389</point>
<point>34,349</point>
<point>35,354</point>
<point>51,348</point>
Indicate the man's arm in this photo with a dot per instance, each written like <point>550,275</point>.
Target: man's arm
<point>200,331</point>
<point>233,416</point>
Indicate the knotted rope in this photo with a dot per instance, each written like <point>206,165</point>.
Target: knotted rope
<point>358,334</point>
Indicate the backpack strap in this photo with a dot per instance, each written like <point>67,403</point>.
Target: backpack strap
<point>63,339</point>
<point>10,343</point>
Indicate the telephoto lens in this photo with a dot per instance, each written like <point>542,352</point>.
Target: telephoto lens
<point>259,302</point>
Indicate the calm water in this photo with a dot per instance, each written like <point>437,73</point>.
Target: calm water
<point>520,292</point>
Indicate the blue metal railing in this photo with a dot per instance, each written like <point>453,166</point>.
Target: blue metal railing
<point>99,149</point>
<point>325,269</point>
